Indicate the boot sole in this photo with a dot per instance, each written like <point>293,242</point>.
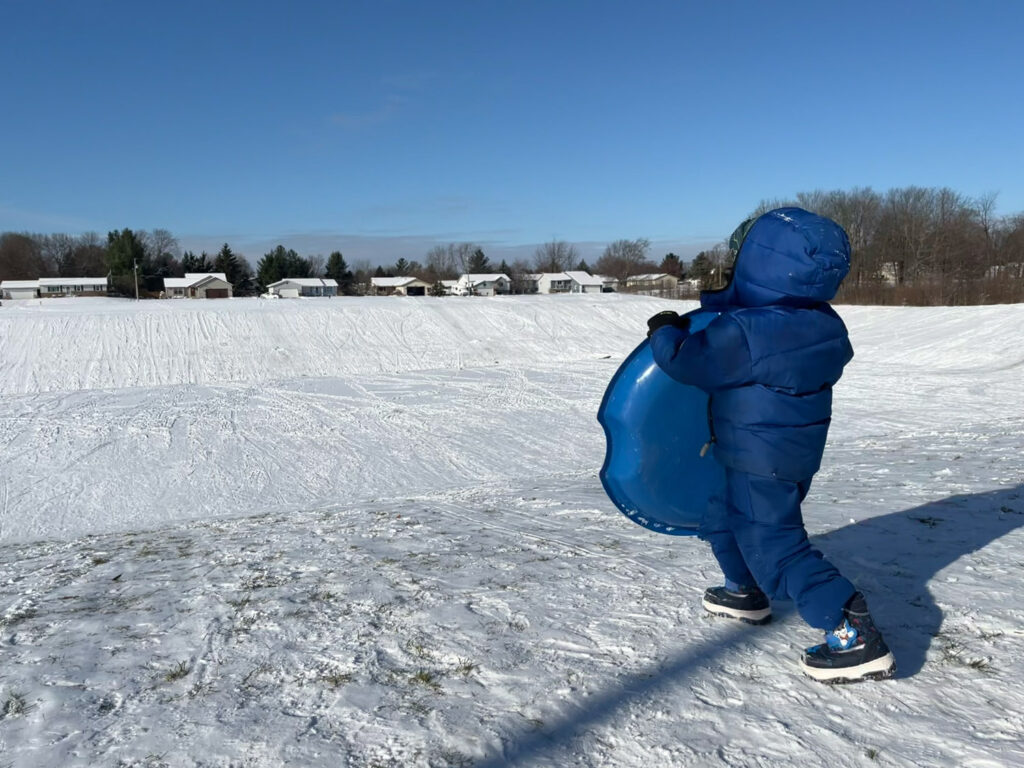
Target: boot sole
<point>881,668</point>
<point>763,616</point>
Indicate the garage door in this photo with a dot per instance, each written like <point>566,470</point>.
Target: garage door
<point>216,293</point>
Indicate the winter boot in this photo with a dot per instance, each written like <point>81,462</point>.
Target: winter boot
<point>852,651</point>
<point>747,604</point>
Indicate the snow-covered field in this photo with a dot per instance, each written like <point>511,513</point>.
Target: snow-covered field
<point>369,532</point>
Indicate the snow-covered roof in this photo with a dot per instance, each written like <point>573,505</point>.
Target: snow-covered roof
<point>306,282</point>
<point>584,278</point>
<point>9,284</point>
<point>449,283</point>
<point>492,278</point>
<point>393,282</point>
<point>47,281</point>
<point>192,279</point>
<point>650,277</point>
<point>551,276</point>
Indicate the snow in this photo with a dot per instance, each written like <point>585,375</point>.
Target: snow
<point>361,532</point>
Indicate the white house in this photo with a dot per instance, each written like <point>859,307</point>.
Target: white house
<point>483,285</point>
<point>449,287</point>
<point>19,289</point>
<point>198,285</point>
<point>553,282</point>
<point>293,287</point>
<point>72,286</point>
<point>568,282</point>
<point>659,281</point>
<point>608,283</point>
<point>584,282</point>
<point>52,287</point>
<point>399,286</point>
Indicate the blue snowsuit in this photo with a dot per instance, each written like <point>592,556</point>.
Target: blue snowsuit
<point>768,362</point>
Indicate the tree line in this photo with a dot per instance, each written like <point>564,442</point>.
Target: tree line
<point>910,245</point>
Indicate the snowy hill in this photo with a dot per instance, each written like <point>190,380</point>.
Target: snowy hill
<point>370,533</point>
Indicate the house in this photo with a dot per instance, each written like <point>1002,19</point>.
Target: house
<point>523,282</point>
<point>51,287</point>
<point>608,284</point>
<point>19,289</point>
<point>294,287</point>
<point>449,287</point>
<point>660,281</point>
<point>584,282</point>
<point>553,282</point>
<point>399,286</point>
<point>198,285</point>
<point>483,285</point>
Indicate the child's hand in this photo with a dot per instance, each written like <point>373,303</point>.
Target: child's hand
<point>667,317</point>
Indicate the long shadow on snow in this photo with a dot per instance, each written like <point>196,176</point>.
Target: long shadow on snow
<point>892,557</point>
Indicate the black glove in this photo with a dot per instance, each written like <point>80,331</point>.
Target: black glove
<point>667,317</point>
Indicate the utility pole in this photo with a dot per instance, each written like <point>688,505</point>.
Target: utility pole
<point>135,270</point>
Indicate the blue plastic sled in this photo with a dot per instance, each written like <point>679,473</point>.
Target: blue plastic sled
<point>655,429</point>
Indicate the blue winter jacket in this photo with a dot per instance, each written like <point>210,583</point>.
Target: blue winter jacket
<point>769,360</point>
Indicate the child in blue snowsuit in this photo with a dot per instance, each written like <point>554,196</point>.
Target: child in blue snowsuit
<point>768,362</point>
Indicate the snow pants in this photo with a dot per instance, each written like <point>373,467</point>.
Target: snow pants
<point>757,534</point>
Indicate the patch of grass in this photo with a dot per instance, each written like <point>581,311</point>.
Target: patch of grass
<point>452,759</point>
<point>336,678</point>
<point>954,653</point>
<point>250,680</point>
<point>148,550</point>
<point>18,615</point>
<point>322,595</point>
<point>426,678</point>
<point>178,671</point>
<point>465,667</point>
<point>871,753</point>
<point>418,649</point>
<point>259,580</point>
<point>15,705</point>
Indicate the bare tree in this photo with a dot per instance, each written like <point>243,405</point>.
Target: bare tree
<point>624,258</point>
<point>441,263</point>
<point>317,264</point>
<point>556,256</point>
<point>520,274</point>
<point>21,257</point>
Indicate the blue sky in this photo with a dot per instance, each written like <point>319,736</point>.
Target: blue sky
<point>382,128</point>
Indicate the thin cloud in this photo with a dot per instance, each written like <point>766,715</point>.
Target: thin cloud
<point>15,219</point>
<point>386,112</point>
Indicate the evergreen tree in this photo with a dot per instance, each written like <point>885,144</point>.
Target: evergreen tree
<point>437,289</point>
<point>583,266</point>
<point>229,264</point>
<point>280,264</point>
<point>504,268</point>
<point>478,263</point>
<point>401,268</point>
<point>701,268</point>
<point>124,250</point>
<point>672,265</point>
<point>192,263</point>
<point>338,269</point>
<point>379,272</point>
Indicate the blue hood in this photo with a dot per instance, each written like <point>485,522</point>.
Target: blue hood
<point>789,257</point>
